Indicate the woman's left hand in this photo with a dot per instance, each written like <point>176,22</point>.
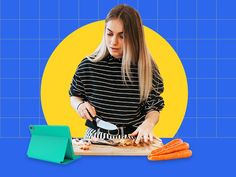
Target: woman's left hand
<point>145,130</point>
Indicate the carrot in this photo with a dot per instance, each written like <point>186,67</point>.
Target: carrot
<point>168,150</point>
<point>174,155</point>
<point>171,143</point>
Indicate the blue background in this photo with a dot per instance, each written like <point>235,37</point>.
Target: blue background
<point>201,31</point>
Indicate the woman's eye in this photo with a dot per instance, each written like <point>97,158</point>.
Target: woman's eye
<point>122,36</point>
<point>109,34</point>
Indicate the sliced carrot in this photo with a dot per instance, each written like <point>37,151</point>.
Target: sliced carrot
<point>168,150</point>
<point>174,155</point>
<point>169,144</point>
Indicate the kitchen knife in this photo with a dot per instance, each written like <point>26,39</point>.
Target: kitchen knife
<point>102,124</point>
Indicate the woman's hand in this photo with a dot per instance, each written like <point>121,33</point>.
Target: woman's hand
<point>84,109</point>
<point>145,130</point>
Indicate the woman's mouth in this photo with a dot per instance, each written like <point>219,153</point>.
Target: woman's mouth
<point>114,49</point>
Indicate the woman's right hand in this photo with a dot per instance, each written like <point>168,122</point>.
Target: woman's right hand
<point>83,111</point>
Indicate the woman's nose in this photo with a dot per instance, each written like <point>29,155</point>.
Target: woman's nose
<point>114,40</point>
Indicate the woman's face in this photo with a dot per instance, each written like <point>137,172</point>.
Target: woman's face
<point>114,37</point>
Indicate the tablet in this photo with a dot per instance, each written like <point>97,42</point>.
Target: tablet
<point>51,143</point>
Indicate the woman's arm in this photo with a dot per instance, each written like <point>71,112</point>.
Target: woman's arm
<point>82,107</point>
<point>152,107</point>
<point>153,117</point>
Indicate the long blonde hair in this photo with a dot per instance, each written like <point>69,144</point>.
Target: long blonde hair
<point>134,51</point>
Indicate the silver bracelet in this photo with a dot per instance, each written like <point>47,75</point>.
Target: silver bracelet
<point>79,105</point>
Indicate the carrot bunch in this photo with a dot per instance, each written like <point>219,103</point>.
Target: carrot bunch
<point>175,149</point>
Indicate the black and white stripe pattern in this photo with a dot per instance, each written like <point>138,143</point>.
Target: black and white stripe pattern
<point>102,86</point>
<point>93,133</point>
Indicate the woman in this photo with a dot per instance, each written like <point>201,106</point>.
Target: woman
<point>119,82</point>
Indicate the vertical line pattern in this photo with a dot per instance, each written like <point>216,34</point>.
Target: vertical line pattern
<point>39,59</point>
<point>98,10</point>
<point>58,21</point>
<point>157,16</point>
<point>19,133</point>
<point>177,30</point>
<point>78,6</point>
<point>0,69</point>
<point>216,68</point>
<point>196,70</point>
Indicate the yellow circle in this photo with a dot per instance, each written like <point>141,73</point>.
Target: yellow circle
<point>64,60</point>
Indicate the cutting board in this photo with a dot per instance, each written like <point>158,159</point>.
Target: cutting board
<point>105,150</point>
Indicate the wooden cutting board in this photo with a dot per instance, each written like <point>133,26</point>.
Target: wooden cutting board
<point>106,150</point>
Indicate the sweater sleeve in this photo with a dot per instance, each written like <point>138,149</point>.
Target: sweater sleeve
<point>76,87</point>
<point>154,101</point>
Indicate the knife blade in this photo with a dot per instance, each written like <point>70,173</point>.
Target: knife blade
<point>103,124</point>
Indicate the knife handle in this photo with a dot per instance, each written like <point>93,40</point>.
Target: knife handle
<point>94,119</point>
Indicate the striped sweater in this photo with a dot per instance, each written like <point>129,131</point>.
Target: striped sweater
<point>102,86</point>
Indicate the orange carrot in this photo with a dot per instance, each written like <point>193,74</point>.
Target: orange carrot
<point>168,150</point>
<point>174,155</point>
<point>171,143</point>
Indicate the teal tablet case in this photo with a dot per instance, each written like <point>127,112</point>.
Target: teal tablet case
<point>51,143</point>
